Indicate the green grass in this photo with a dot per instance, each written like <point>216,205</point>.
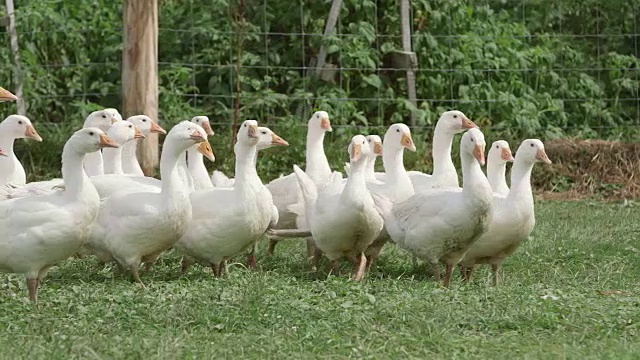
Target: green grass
<point>286,311</point>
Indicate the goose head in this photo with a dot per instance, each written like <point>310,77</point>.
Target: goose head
<point>398,136</point>
<point>203,121</point>
<point>102,119</point>
<point>90,139</point>
<point>146,125</point>
<point>375,143</point>
<point>319,122</point>
<point>124,131</point>
<point>248,133</point>
<point>115,115</point>
<point>532,151</point>
<point>359,149</point>
<point>473,143</point>
<point>6,95</point>
<point>500,153</point>
<point>268,139</point>
<point>186,134</point>
<point>19,127</point>
<point>455,122</point>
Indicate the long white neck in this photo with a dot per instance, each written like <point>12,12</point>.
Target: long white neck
<point>317,165</point>
<point>441,152</point>
<point>496,171</point>
<point>93,163</point>
<point>6,142</point>
<point>521,180</point>
<point>356,187</point>
<point>112,158</point>
<point>195,163</point>
<point>246,173</point>
<point>393,162</point>
<point>183,172</point>
<point>474,183</point>
<point>370,171</point>
<point>172,183</point>
<point>130,164</point>
<point>76,182</point>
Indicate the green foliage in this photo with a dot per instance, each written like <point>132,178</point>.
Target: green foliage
<point>548,306</point>
<point>519,68</point>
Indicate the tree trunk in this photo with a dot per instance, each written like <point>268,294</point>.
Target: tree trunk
<point>140,72</point>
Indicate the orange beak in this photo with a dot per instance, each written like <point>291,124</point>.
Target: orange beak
<point>277,140</point>
<point>32,133</point>
<point>407,142</point>
<point>377,148</point>
<point>326,124</point>
<point>478,153</point>
<point>6,95</point>
<point>253,131</point>
<point>2,153</point>
<point>542,156</point>
<point>155,128</point>
<point>139,135</point>
<point>197,136</point>
<point>468,124</point>
<point>506,154</point>
<point>207,128</point>
<point>356,152</point>
<point>106,141</point>
<point>205,149</point>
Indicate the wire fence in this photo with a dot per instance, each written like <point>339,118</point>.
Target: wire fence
<point>507,74</point>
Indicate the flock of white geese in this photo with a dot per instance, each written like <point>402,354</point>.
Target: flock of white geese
<point>105,206</point>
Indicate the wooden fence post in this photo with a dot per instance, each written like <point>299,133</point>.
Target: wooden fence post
<point>140,72</point>
<point>406,46</point>
<point>13,33</point>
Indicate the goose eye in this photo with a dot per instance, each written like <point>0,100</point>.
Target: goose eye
<point>104,116</point>
<point>245,125</point>
<point>531,145</point>
<point>130,126</point>
<point>497,147</point>
<point>455,116</point>
<point>471,139</point>
<point>91,133</point>
<point>20,122</point>
<point>263,132</point>
<point>397,130</point>
<point>144,120</point>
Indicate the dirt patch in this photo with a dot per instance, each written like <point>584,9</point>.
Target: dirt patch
<point>589,168</point>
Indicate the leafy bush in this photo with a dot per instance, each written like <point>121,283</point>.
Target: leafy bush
<point>520,69</point>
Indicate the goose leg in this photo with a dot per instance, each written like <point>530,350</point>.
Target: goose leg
<point>435,268</point>
<point>184,264</point>
<point>467,272</point>
<point>223,268</point>
<point>335,265</point>
<point>251,258</point>
<point>136,275</point>
<point>496,273</point>
<point>317,254</point>
<point>215,268</point>
<point>32,286</point>
<point>311,247</point>
<point>272,246</point>
<point>42,273</point>
<point>447,274</point>
<point>361,268</point>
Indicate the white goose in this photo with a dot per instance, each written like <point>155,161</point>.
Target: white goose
<point>130,164</point>
<point>102,119</point>
<point>497,159</point>
<point>121,132</point>
<point>513,214</point>
<point>39,231</point>
<point>285,190</point>
<point>267,139</point>
<point>375,142</point>
<point>192,167</point>
<point>226,222</point>
<point>440,225</point>
<point>137,227</point>
<point>12,128</point>
<point>444,174</point>
<point>342,217</point>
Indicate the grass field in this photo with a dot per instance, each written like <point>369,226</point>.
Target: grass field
<point>548,306</point>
